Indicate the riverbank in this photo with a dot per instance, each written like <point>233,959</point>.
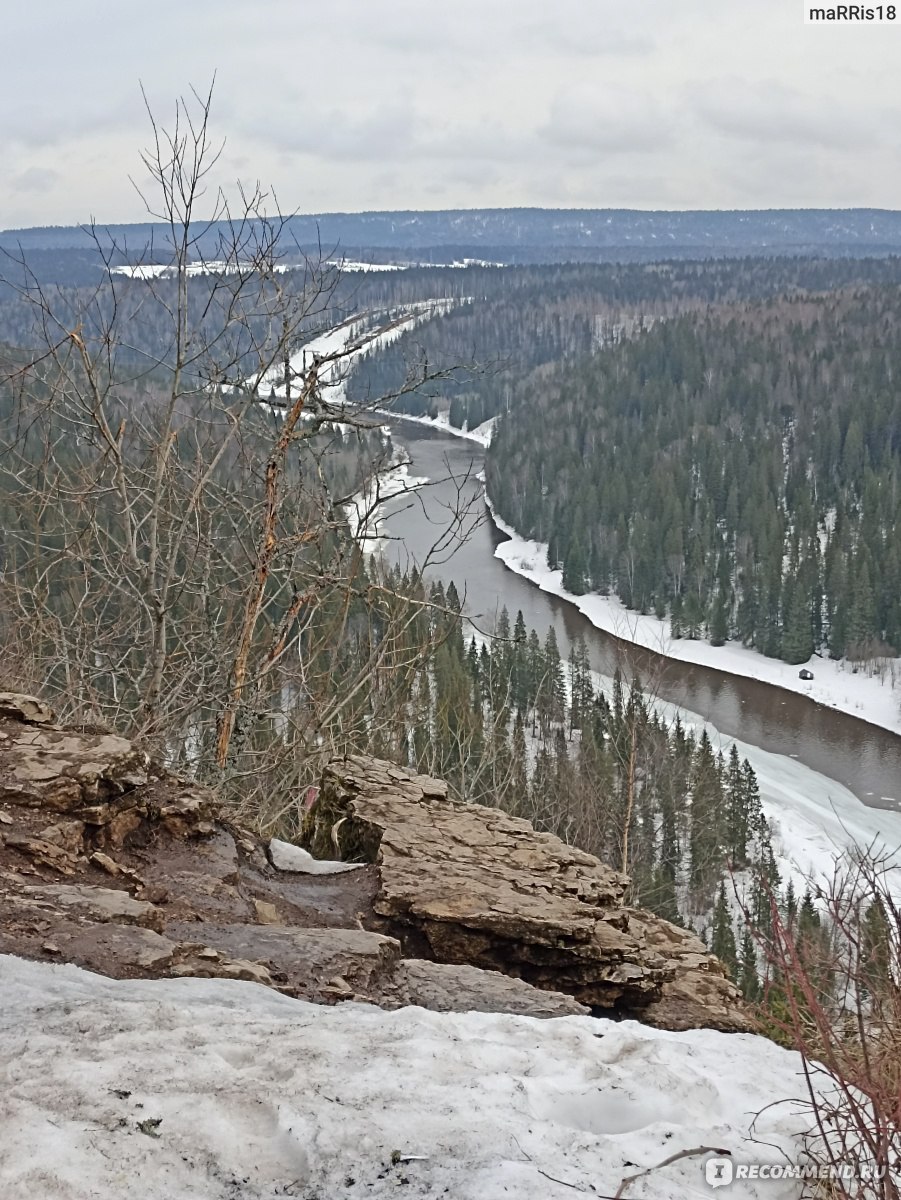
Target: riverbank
<point>480,434</point>
<point>835,684</point>
<point>814,821</point>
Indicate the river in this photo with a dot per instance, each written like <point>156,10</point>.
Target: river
<point>864,757</point>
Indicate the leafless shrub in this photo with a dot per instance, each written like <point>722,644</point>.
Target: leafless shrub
<point>176,559</point>
<point>833,993</point>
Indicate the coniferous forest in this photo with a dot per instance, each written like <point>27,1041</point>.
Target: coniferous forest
<point>736,469</point>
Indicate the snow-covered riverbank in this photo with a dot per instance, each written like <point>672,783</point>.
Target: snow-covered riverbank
<point>814,820</point>
<point>834,684</point>
<point>364,512</point>
<point>481,433</point>
<point>214,1088</point>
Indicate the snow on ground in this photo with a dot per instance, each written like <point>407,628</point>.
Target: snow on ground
<point>835,684</point>
<point>148,271</point>
<point>199,1088</point>
<point>481,433</point>
<point>286,856</point>
<point>457,264</point>
<point>813,819</point>
<point>354,337</point>
<point>364,512</point>
<point>353,267</point>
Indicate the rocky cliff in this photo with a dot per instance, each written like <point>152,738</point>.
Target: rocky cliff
<point>112,863</point>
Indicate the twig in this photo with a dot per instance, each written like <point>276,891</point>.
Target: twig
<point>692,1153</point>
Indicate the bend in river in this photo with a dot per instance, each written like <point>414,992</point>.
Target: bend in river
<point>864,757</point>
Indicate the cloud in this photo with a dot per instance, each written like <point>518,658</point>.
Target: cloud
<point>585,39</point>
<point>769,112</point>
<point>34,179</point>
<point>387,131</point>
<point>607,120</point>
<point>484,102</point>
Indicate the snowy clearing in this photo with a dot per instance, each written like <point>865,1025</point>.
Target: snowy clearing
<point>352,266</point>
<point>148,271</point>
<point>219,1089</point>
<point>835,684</point>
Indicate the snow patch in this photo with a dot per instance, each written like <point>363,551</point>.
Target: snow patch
<point>480,433</point>
<point>364,511</point>
<point>287,857</point>
<point>215,1088</point>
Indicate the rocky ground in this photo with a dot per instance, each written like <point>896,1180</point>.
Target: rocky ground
<point>109,862</point>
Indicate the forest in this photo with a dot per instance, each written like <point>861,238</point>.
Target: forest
<point>718,441</point>
<point>737,469</point>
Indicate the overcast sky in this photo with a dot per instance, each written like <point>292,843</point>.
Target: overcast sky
<point>349,105</point>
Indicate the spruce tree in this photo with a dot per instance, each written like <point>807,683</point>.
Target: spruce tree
<point>705,845</point>
<point>723,938</point>
<point>797,637</point>
<point>748,978</point>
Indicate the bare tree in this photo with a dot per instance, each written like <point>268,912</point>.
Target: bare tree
<point>176,470</point>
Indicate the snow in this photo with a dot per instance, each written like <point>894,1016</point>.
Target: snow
<point>813,819</point>
<point>356,336</point>
<point>247,1093</point>
<point>147,271</point>
<point>835,684</point>
<point>287,857</point>
<point>351,266</point>
<point>364,511</point>
<point>480,433</point>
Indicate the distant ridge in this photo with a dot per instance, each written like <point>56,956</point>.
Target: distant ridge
<point>527,234</point>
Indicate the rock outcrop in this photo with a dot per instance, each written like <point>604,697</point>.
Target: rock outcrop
<point>462,883</point>
<point>110,862</point>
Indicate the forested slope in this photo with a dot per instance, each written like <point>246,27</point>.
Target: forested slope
<point>737,469</point>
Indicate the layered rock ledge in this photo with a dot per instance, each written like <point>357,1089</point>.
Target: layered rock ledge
<point>110,862</point>
<point>462,883</point>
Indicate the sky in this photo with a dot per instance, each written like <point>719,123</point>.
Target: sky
<point>350,106</point>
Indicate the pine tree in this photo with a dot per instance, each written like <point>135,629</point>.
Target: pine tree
<point>876,948</point>
<point>719,619</point>
<point>764,887</point>
<point>723,938</point>
<point>790,905</point>
<point>575,566</point>
<point>797,637</point>
<point>519,670</point>
<point>748,978</point>
<point>519,783</point>
<point>739,817</point>
<point>551,697</point>
<point>535,671</point>
<point>862,619</point>
<point>705,844</point>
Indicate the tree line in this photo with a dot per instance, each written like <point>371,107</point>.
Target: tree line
<point>736,470</point>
